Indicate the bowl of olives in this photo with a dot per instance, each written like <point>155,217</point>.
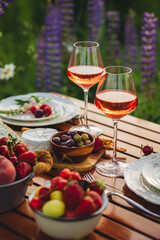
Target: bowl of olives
<point>72,145</point>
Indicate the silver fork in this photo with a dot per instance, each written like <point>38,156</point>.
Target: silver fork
<point>90,178</point>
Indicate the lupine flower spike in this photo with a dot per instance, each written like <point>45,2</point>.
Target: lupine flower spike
<point>148,49</point>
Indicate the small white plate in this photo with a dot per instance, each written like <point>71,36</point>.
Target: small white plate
<point>69,109</point>
<point>132,177</point>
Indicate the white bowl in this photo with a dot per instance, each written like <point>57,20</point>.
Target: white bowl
<point>64,228</point>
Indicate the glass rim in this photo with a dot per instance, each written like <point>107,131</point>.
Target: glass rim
<point>128,69</point>
<point>95,44</point>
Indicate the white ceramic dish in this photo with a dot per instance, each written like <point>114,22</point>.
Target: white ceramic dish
<point>63,228</point>
<point>10,104</point>
<point>68,110</point>
<point>151,175</point>
<point>132,177</point>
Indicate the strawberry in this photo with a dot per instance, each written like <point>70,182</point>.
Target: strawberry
<point>36,203</point>
<point>33,108</point>
<point>75,175</point>
<point>98,144</point>
<point>96,198</point>
<point>13,159</point>
<point>58,183</point>
<point>29,157</point>
<point>69,214</point>
<point>65,173</point>
<point>20,148</point>
<point>86,207</point>
<point>72,195</point>
<point>4,151</point>
<point>3,140</point>
<point>23,169</point>
<point>47,111</point>
<point>44,105</point>
<point>97,186</point>
<point>44,193</point>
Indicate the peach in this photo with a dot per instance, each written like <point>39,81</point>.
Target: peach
<point>7,171</point>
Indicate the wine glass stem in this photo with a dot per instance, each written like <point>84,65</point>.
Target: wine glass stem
<point>85,106</point>
<point>115,125</point>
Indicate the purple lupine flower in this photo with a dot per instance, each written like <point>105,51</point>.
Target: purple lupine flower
<point>113,43</point>
<point>95,18</point>
<point>148,48</point>
<point>48,68</point>
<point>66,8</point>
<point>3,6</point>
<point>131,41</point>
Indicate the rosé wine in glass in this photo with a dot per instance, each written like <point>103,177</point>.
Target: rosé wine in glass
<point>115,97</point>
<point>115,103</point>
<point>85,69</point>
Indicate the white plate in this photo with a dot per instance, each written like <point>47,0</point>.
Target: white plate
<point>69,109</point>
<point>132,175</point>
<point>10,104</point>
<point>151,175</point>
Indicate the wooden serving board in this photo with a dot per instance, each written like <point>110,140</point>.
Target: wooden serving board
<point>83,166</point>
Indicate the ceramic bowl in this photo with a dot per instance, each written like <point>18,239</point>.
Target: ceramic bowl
<point>64,228</point>
<point>75,154</point>
<point>13,194</point>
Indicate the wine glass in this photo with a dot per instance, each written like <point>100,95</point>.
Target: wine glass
<point>115,97</point>
<point>85,69</point>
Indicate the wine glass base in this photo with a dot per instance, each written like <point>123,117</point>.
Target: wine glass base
<point>110,169</point>
<point>94,130</point>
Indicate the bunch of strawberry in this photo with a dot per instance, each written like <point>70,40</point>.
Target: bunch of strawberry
<point>79,197</point>
<point>18,154</point>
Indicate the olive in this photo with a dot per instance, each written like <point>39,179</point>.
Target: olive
<point>77,138</point>
<point>63,144</point>
<point>80,144</point>
<point>64,138</point>
<point>84,137</point>
<point>56,140</point>
<point>71,133</point>
<point>70,143</point>
<point>87,142</point>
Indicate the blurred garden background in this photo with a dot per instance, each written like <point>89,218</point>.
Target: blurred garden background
<point>36,39</point>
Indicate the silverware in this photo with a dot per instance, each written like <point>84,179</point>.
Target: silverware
<point>90,178</point>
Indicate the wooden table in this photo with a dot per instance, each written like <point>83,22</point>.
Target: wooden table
<point>120,220</point>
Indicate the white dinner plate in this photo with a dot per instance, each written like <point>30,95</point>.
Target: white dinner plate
<point>10,104</point>
<point>132,177</point>
<point>67,109</point>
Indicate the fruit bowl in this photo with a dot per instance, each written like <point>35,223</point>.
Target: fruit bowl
<point>13,194</point>
<point>68,228</point>
<point>72,153</point>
